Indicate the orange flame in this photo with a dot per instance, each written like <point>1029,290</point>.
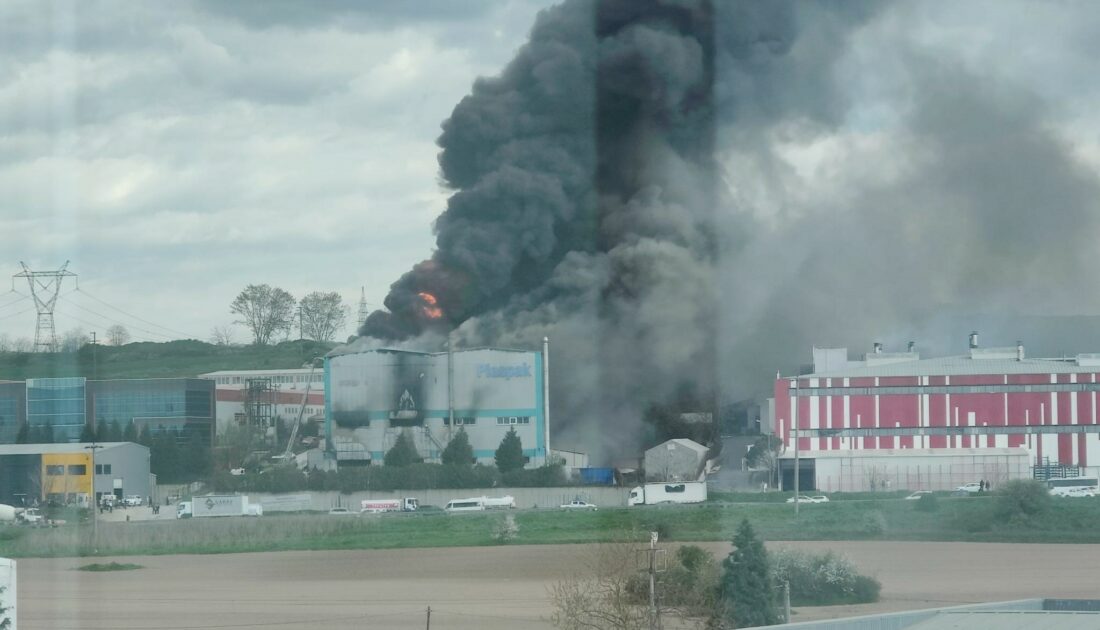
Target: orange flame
<point>430,309</point>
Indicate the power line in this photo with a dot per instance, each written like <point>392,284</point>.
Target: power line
<point>16,300</point>
<point>104,317</point>
<point>171,330</point>
<point>9,315</point>
<point>116,321</point>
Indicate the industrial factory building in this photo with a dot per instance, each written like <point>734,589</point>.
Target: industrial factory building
<point>278,393</point>
<point>373,396</point>
<point>891,418</point>
<point>64,473</point>
<point>66,405</point>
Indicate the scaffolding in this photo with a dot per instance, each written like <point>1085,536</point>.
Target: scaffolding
<point>259,402</point>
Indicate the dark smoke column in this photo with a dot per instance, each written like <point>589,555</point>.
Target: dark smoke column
<point>656,179</point>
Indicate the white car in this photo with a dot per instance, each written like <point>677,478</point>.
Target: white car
<point>577,504</point>
<point>132,500</point>
<point>819,499</point>
<point>973,487</point>
<point>1073,492</point>
<point>918,494</point>
<point>801,499</point>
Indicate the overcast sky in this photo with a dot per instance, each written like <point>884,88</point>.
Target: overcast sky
<point>176,152</point>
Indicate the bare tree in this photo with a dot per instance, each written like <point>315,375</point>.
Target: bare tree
<point>265,310</point>
<point>221,336</point>
<point>73,340</point>
<point>5,343</point>
<point>117,335</point>
<point>601,598</point>
<point>323,315</point>
<point>22,344</point>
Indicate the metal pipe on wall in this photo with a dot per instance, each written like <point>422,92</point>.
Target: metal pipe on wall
<point>546,394</point>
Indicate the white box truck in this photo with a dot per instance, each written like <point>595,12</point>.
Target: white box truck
<point>218,505</point>
<point>668,492</point>
<point>377,506</point>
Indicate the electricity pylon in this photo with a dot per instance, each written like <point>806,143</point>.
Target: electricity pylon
<point>45,286</point>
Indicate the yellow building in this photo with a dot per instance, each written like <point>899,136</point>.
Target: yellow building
<point>67,477</point>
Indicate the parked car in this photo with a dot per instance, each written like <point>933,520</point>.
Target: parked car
<point>973,487</point>
<point>801,499</point>
<point>819,499</point>
<point>918,494</point>
<point>341,511</point>
<point>132,500</point>
<point>577,504</point>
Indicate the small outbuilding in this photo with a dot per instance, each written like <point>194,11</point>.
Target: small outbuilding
<point>676,460</point>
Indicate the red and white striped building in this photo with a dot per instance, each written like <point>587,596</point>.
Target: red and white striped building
<point>989,398</point>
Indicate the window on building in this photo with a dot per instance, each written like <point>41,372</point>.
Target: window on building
<point>78,469</point>
<point>55,471</point>
<point>509,420</point>
<point>102,469</point>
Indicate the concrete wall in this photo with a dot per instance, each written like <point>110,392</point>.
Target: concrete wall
<point>525,497</point>
<point>918,469</point>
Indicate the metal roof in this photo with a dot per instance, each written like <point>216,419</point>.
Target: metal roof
<point>1010,620</point>
<point>958,365</point>
<point>67,447</point>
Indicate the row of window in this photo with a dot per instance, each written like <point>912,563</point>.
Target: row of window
<point>948,389</point>
<point>102,469</point>
<point>275,380</point>
<point>506,420</point>
<point>57,470</point>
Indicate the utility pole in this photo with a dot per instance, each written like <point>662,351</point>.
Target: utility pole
<point>45,285</point>
<point>429,625</point>
<point>654,612</point>
<point>95,504</point>
<point>95,363</point>
<point>300,335</point>
<point>786,601</point>
<point>795,416</point>
<point>450,386</point>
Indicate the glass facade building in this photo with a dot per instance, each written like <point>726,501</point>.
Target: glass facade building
<point>180,405</point>
<point>13,402</point>
<point>57,403</point>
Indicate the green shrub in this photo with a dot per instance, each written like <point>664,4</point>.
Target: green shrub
<point>873,524</point>
<point>1021,498</point>
<point>822,579</point>
<point>927,503</point>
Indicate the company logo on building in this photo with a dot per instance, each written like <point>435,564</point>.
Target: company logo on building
<point>485,370</point>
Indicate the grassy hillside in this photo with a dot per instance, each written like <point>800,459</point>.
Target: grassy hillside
<point>157,360</point>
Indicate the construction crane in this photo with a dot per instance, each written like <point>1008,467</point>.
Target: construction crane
<point>286,457</point>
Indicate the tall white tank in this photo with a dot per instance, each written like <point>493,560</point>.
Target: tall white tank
<point>7,513</point>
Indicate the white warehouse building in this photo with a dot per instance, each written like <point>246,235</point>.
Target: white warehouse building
<point>373,396</point>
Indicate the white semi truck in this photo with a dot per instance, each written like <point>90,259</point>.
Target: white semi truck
<point>668,492</point>
<point>377,506</point>
<point>218,505</point>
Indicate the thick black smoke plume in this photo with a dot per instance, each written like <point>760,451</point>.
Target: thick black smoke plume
<point>635,186</point>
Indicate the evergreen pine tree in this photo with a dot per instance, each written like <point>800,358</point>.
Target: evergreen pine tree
<point>509,455</point>
<point>130,434</point>
<point>23,436</point>
<point>745,590</point>
<point>458,451</point>
<point>46,434</point>
<point>403,452</point>
<point>86,434</point>
<point>101,431</point>
<point>114,432</point>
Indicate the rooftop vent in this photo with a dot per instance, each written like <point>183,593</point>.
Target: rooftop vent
<point>973,340</point>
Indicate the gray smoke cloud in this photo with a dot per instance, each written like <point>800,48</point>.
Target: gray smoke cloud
<point>644,184</point>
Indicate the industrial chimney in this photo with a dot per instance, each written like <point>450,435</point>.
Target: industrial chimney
<point>974,340</point>
<point>912,347</point>
<point>877,347</point>
<point>1019,350</point>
